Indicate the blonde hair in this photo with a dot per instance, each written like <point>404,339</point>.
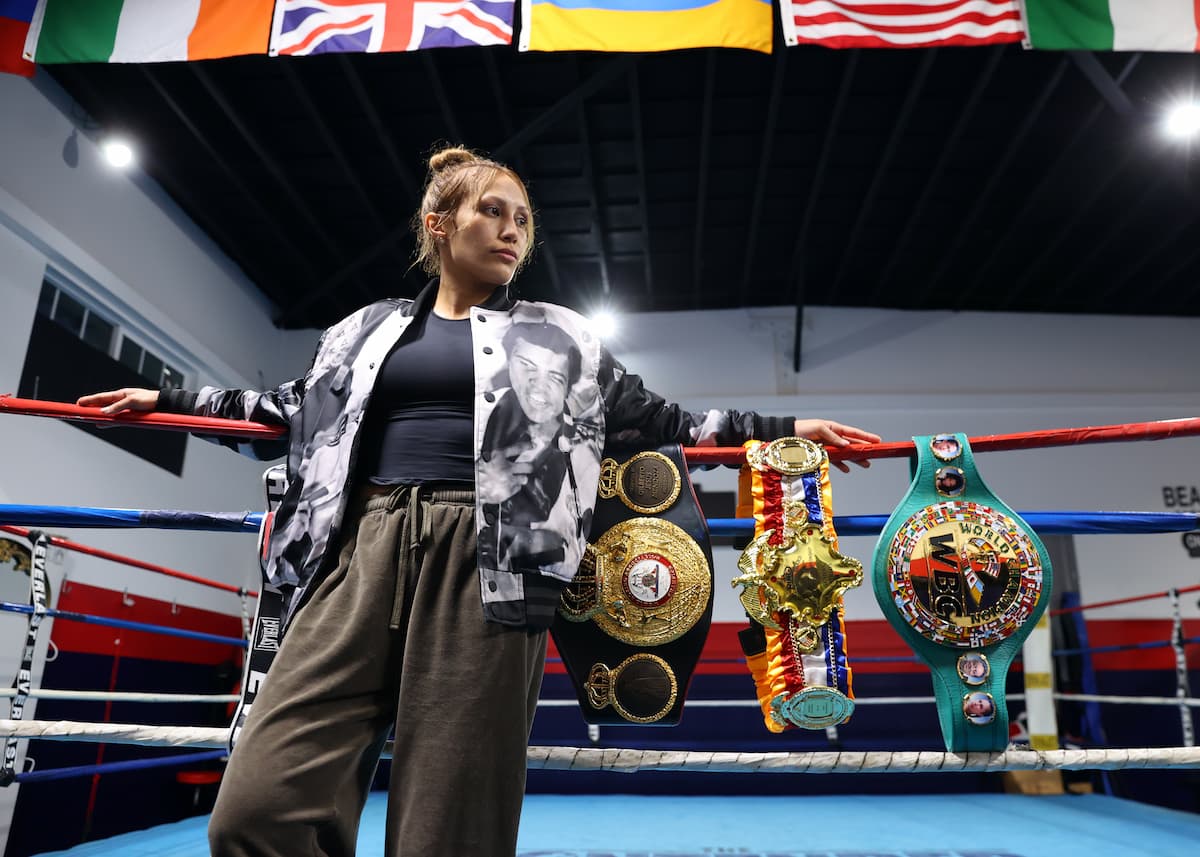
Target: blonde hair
<point>458,175</point>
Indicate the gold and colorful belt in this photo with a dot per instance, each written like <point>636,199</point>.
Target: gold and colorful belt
<point>793,580</point>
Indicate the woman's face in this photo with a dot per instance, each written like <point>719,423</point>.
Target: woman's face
<point>539,380</point>
<point>487,240</point>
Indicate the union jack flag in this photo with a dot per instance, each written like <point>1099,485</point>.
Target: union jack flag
<point>302,27</point>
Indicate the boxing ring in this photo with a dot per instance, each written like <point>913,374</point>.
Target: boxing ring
<point>611,825</point>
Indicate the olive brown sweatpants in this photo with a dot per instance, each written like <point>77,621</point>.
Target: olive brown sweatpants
<point>393,633</point>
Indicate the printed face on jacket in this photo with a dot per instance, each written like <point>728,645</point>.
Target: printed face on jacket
<point>488,237</point>
<point>526,479</point>
<point>539,379</point>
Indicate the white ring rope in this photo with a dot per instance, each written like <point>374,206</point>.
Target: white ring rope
<point>1129,700</point>
<point>117,733</point>
<point>630,761</point>
<point>122,696</point>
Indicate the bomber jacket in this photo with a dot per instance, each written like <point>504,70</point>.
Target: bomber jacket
<point>325,409</point>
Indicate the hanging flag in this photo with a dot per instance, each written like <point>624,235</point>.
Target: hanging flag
<point>341,26</point>
<point>147,30</point>
<point>1113,25</point>
<point>15,16</point>
<point>644,25</point>
<point>911,24</point>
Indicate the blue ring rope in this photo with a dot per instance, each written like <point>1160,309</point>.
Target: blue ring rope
<point>159,519</point>
<point>1048,523</point>
<point>114,767</point>
<point>72,616</point>
<point>1045,523</point>
<point>1124,647</point>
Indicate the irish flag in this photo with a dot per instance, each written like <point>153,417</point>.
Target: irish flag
<point>1113,25</point>
<point>147,30</point>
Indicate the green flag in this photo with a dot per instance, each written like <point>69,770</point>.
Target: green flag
<point>1112,25</point>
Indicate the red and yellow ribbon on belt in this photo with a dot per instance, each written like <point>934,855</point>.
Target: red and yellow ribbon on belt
<point>793,580</point>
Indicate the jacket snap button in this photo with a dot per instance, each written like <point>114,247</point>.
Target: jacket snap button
<point>487,349</point>
<point>489,397</point>
<point>481,317</point>
<point>491,586</point>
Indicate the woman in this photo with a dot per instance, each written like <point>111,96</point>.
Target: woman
<point>412,603</point>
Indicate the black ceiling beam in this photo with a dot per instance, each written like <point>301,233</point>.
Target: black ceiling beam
<point>561,108</point>
<point>1101,242</point>
<point>592,184</point>
<point>1080,208</point>
<point>317,122</point>
<point>269,163</point>
<point>407,180</point>
<point>885,160</point>
<point>513,144</point>
<point>1125,277</point>
<point>360,260</point>
<point>1104,83</point>
<point>639,156</point>
<point>760,179</point>
<point>518,158</point>
<point>1116,98</point>
<point>799,256</point>
<point>967,225</point>
<point>299,205</point>
<point>1176,270</point>
<point>1033,196</point>
<point>949,147</point>
<point>265,217</point>
<point>706,111</point>
<point>442,98</point>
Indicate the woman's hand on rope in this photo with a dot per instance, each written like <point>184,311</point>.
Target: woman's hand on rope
<point>831,433</point>
<point>125,399</point>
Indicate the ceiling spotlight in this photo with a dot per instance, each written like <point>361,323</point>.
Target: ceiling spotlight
<point>604,324</point>
<point>117,152</point>
<point>1183,121</point>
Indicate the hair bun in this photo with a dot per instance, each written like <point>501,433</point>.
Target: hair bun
<point>449,157</point>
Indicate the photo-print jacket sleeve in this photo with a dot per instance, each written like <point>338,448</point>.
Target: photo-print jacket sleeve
<point>273,407</point>
<point>637,417</point>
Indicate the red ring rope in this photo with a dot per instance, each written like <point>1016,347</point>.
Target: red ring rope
<point>1158,430</point>
<point>67,544</point>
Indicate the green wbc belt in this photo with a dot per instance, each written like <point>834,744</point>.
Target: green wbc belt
<point>963,580</point>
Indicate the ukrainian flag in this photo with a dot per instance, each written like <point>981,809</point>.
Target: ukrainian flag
<point>645,25</point>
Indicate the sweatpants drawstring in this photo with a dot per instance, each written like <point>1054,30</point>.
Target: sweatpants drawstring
<point>416,535</point>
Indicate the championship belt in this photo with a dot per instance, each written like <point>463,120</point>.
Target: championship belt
<point>266,632</point>
<point>793,580</point>
<point>631,625</point>
<point>963,580</point>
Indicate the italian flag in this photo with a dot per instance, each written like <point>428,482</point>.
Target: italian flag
<point>1113,25</point>
<point>147,30</point>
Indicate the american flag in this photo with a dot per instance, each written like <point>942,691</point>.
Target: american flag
<point>305,27</point>
<point>900,23</point>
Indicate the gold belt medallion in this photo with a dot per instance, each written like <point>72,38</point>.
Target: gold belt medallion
<point>648,483</point>
<point>641,689</point>
<point>791,456</point>
<point>652,582</point>
<point>804,576</point>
